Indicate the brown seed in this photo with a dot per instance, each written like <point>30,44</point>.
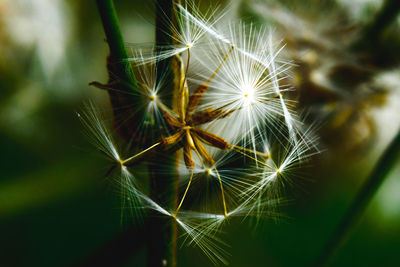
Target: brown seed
<point>195,99</point>
<point>208,115</point>
<point>212,139</point>
<point>189,140</point>
<point>187,156</point>
<point>171,120</point>
<point>203,151</point>
<point>172,139</point>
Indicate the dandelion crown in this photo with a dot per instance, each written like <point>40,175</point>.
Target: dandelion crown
<point>236,137</point>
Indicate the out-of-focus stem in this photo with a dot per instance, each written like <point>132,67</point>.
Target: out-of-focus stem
<point>365,195</point>
<point>386,16</point>
<point>162,231</point>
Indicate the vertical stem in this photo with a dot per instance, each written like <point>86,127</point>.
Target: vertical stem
<point>122,83</point>
<point>162,231</point>
<point>365,195</point>
<point>386,15</point>
<point>116,42</point>
<point>222,192</point>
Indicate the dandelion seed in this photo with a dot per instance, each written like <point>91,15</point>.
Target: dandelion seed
<point>202,229</point>
<point>191,28</point>
<point>201,24</point>
<point>244,86</point>
<point>98,133</point>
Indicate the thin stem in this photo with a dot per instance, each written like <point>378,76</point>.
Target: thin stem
<point>187,63</point>
<point>182,90</point>
<point>385,17</point>
<point>162,231</point>
<point>184,194</point>
<point>365,195</point>
<point>250,157</point>
<point>220,65</point>
<point>122,86</point>
<point>222,192</point>
<point>264,155</point>
<point>116,42</point>
<point>140,153</point>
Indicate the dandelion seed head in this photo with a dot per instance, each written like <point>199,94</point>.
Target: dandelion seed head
<point>153,97</point>
<point>243,79</point>
<point>249,97</point>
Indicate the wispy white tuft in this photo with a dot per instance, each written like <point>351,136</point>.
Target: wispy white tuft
<point>246,86</point>
<point>98,132</point>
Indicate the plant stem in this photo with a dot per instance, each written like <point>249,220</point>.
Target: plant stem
<point>365,195</point>
<point>116,42</point>
<point>122,85</point>
<point>162,231</point>
<point>385,17</point>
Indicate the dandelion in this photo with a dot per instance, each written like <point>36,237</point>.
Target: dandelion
<point>230,101</point>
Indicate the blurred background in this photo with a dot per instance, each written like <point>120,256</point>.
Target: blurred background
<point>57,207</point>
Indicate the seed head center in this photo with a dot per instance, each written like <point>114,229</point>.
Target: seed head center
<point>248,95</point>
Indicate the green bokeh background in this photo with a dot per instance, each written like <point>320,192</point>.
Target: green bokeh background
<point>57,208</point>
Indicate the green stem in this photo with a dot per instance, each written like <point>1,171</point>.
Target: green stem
<point>384,18</point>
<point>116,42</point>
<point>162,231</point>
<point>365,195</point>
<point>122,85</point>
